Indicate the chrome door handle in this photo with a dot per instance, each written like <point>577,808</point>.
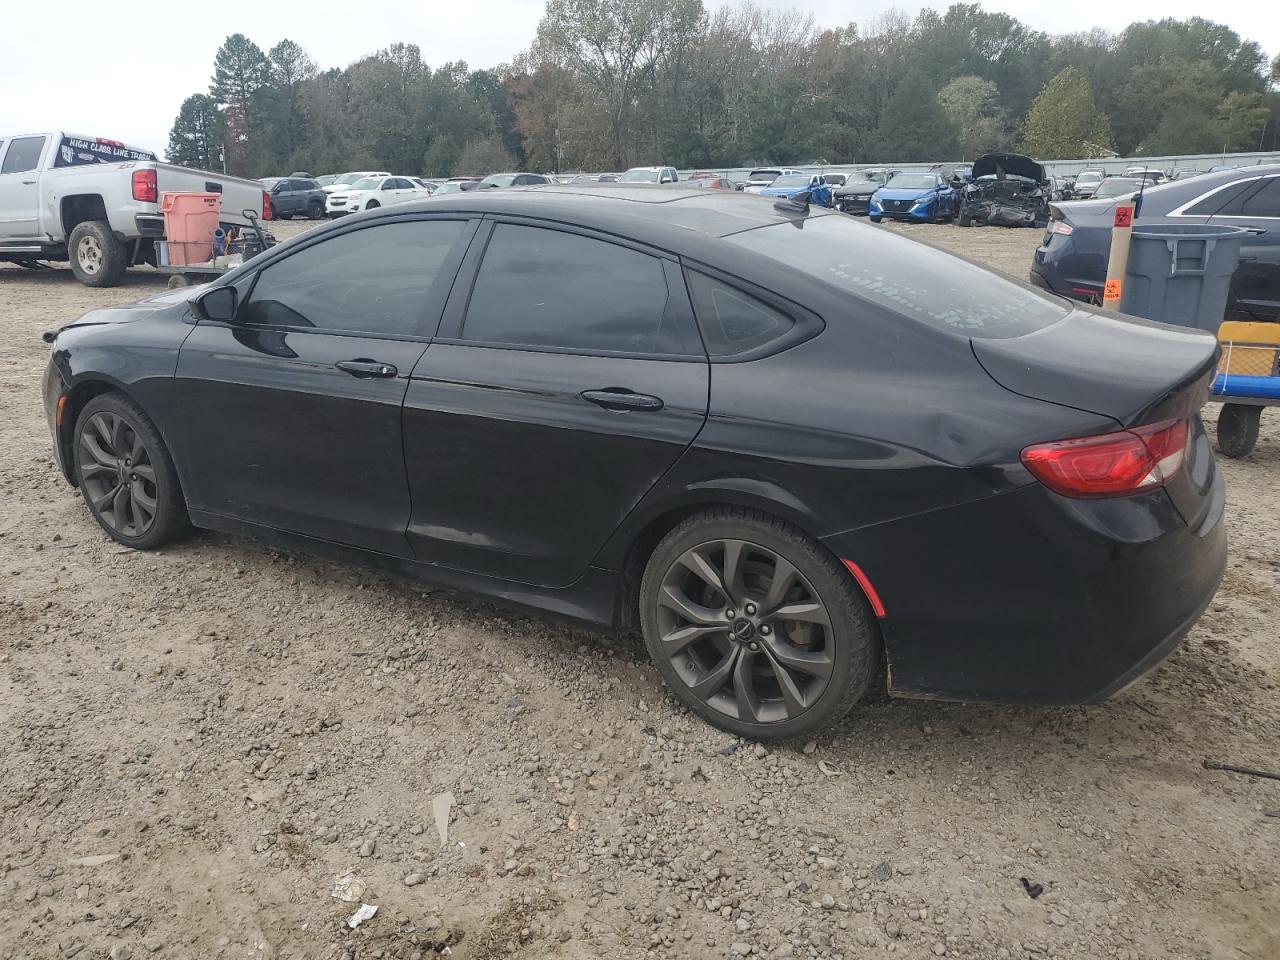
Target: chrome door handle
<point>366,368</point>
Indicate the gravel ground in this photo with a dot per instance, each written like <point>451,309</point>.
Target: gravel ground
<point>198,742</point>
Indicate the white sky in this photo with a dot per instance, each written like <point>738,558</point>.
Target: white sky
<point>112,70</point>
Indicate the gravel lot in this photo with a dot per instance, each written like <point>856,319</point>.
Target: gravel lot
<point>199,741</point>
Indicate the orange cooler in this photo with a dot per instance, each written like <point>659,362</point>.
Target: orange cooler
<point>189,222</point>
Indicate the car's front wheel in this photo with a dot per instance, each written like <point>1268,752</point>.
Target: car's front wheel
<point>126,474</point>
<point>755,626</point>
<point>316,210</point>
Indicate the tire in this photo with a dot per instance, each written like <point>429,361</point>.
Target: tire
<point>964,220</point>
<point>98,259</point>
<point>833,652</point>
<point>1238,425</point>
<point>115,441</point>
<point>178,280</point>
<point>315,210</point>
<point>874,219</point>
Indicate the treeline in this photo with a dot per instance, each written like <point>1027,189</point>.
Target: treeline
<point>608,84</point>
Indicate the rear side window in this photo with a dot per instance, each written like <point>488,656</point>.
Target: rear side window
<point>733,322</point>
<point>1221,202</point>
<point>23,155</point>
<point>905,277</point>
<point>377,281</point>
<point>1266,202</point>
<point>545,288</point>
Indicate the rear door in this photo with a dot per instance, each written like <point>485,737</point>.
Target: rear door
<point>565,380</point>
<point>1255,286</point>
<point>20,188</point>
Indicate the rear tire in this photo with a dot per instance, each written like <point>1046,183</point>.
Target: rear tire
<point>1238,425</point>
<point>316,210</point>
<point>779,677</point>
<point>126,474</point>
<point>98,259</point>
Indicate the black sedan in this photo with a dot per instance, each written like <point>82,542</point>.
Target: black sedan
<point>1072,257</point>
<point>787,447</point>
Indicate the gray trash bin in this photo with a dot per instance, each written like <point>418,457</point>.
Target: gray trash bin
<point>1181,273</point>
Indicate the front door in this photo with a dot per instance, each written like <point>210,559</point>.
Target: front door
<point>1255,286</point>
<point>290,417</point>
<point>539,420</point>
<point>20,188</point>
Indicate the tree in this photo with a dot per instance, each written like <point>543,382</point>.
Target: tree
<point>290,68</point>
<point>195,138</point>
<point>969,103</point>
<point>1240,117</point>
<point>914,127</point>
<point>241,73</point>
<point>1064,121</point>
<point>480,158</point>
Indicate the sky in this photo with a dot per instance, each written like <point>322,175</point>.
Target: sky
<point>106,70</point>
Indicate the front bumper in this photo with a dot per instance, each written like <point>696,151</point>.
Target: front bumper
<point>1001,214</point>
<point>858,206</point>
<point>1038,598</point>
<point>891,210</point>
<point>53,388</point>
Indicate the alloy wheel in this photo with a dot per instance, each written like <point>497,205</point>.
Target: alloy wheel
<point>745,631</point>
<point>117,474</point>
<point>89,254</point>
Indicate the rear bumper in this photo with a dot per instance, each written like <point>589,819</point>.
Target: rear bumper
<point>1028,597</point>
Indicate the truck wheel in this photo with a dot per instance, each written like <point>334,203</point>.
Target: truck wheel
<point>98,259</point>
<point>1238,429</point>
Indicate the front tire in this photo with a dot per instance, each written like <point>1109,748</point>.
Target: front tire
<point>126,474</point>
<point>964,220</point>
<point>755,626</point>
<point>1238,425</point>
<point>874,219</point>
<point>98,259</point>
<point>372,205</point>
<point>316,210</point>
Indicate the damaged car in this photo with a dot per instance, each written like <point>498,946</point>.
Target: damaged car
<point>1008,189</point>
<point>854,195</point>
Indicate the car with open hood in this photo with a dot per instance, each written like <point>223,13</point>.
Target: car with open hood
<point>919,197</point>
<point>1008,189</point>
<point>854,195</point>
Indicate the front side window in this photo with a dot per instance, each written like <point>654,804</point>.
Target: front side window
<point>376,281</point>
<point>23,155</point>
<point>546,288</point>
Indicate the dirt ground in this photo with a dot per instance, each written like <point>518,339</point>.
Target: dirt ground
<point>198,742</point>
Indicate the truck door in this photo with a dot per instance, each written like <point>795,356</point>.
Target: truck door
<point>20,188</point>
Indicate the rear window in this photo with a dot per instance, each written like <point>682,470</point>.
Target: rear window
<point>78,151</point>
<point>905,277</point>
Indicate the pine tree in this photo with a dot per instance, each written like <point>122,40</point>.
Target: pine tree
<point>1064,122</point>
<point>913,126</point>
<point>241,78</point>
<point>195,138</point>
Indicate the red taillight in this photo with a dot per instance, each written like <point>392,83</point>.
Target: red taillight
<point>144,186</point>
<point>266,205</point>
<point>1062,227</point>
<point>1112,464</point>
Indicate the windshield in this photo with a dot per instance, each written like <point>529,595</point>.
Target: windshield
<point>770,175</point>
<point>913,181</point>
<point>499,180</point>
<point>639,175</point>
<point>1117,186</point>
<point>791,180</point>
<point>908,278</point>
<point>367,183</point>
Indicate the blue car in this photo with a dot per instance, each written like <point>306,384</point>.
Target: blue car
<point>789,184</point>
<point>921,197</point>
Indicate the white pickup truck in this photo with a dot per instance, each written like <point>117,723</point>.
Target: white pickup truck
<point>96,203</point>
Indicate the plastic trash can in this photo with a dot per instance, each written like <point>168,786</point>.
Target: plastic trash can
<point>190,220</point>
<point>1181,273</point>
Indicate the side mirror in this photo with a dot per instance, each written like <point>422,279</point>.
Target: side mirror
<point>216,304</point>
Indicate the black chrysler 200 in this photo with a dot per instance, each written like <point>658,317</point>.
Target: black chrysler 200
<point>789,448</point>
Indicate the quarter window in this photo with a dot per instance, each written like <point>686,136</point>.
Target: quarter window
<point>546,288</point>
<point>734,322</point>
<point>377,281</point>
<point>23,155</point>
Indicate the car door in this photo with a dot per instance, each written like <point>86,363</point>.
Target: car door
<point>290,417</point>
<point>20,188</point>
<point>565,380</point>
<point>1255,286</point>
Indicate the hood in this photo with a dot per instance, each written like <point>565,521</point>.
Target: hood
<point>134,311</point>
<point>902,193</point>
<point>1015,164</point>
<point>857,188</point>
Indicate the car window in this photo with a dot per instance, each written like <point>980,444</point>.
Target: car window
<point>1221,201</point>
<point>1266,202</point>
<point>546,288</point>
<point>308,185</point>
<point>376,281</point>
<point>732,321</point>
<point>905,277</point>
<point>23,155</point>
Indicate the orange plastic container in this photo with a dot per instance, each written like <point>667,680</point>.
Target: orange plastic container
<point>189,222</point>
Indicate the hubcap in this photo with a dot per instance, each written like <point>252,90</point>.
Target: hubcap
<point>745,631</point>
<point>89,253</point>
<point>117,474</point>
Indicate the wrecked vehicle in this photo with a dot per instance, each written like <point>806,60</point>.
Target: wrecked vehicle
<point>1008,189</point>
<point>854,195</point>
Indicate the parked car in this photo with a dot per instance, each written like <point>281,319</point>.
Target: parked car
<point>854,195</point>
<point>1087,182</point>
<point>345,180</point>
<point>327,179</point>
<point>713,183</point>
<point>514,180</point>
<point>834,179</point>
<point>294,197</point>
<point>455,186</point>
<point>572,419</point>
<point>789,184</point>
<point>920,197</point>
<point>1072,257</point>
<point>650,175</point>
<point>1185,174</point>
<point>426,184</point>
<point>609,177</point>
<point>757,180</point>
<point>1008,189</point>
<point>372,193</point>
<point>1145,173</point>
<point>1113,187</point>
<point>880,175</point>
<point>96,203</point>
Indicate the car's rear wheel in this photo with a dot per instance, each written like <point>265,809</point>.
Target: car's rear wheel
<point>316,210</point>
<point>126,474</point>
<point>98,259</point>
<point>755,626</point>
<point>1238,425</point>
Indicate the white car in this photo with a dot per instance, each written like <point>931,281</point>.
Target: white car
<point>650,175</point>
<point>347,179</point>
<point>373,192</point>
<point>757,180</point>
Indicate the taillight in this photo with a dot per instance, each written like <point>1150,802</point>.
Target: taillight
<point>266,205</point>
<point>1111,464</point>
<point>1062,227</point>
<point>144,186</point>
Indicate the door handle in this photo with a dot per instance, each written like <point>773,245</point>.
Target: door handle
<point>366,368</point>
<point>620,398</point>
<point>28,182</point>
